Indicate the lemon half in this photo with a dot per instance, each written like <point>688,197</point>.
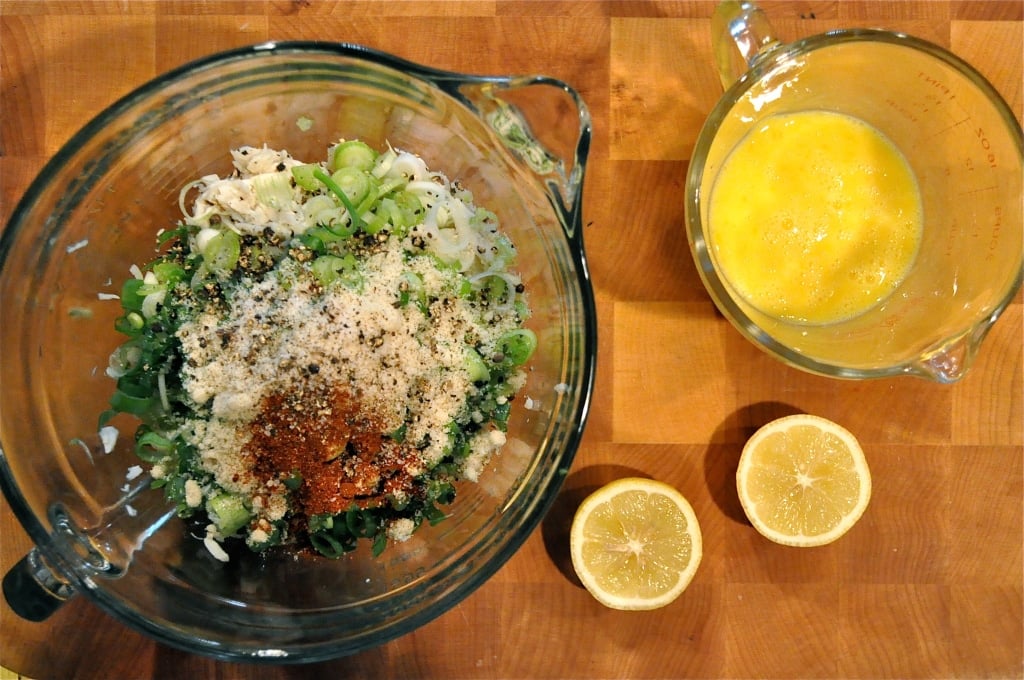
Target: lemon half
<point>803,480</point>
<point>635,544</point>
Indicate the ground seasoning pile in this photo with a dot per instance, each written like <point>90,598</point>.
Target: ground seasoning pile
<point>322,350</point>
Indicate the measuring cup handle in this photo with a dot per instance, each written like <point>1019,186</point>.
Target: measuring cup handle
<point>740,34</point>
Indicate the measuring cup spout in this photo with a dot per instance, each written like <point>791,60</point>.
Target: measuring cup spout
<point>740,34</point>
<point>949,362</point>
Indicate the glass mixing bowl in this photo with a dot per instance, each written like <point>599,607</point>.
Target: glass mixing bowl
<point>518,143</point>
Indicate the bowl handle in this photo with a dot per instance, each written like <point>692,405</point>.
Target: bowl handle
<point>547,126</point>
<point>33,589</point>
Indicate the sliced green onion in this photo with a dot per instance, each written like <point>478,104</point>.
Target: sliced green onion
<point>228,512</point>
<point>361,523</point>
<point>517,346</point>
<point>497,289</point>
<point>390,184</point>
<point>475,366</point>
<point>380,542</point>
<point>410,207</point>
<point>179,232</point>
<point>330,268</point>
<point>222,252</point>
<point>398,434</point>
<point>152,447</point>
<point>304,176</point>
<point>131,298</point>
<point>333,187</point>
<point>125,359</point>
<point>359,186</point>
<point>168,273</point>
<point>105,417</point>
<point>328,546</point>
<point>321,522</point>
<point>273,189</point>
<point>378,223</point>
<point>396,214</point>
<point>318,207</point>
<point>136,406</point>
<point>135,387</point>
<point>432,514</point>
<point>311,240</point>
<point>500,413</point>
<point>353,154</point>
<point>317,238</point>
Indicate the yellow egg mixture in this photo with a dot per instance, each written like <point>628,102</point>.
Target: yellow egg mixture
<point>815,217</point>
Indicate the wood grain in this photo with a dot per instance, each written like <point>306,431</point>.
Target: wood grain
<point>929,583</point>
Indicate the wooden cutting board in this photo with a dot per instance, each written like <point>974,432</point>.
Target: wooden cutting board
<point>928,584</point>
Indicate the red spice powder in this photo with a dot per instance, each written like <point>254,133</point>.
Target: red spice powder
<point>341,453</point>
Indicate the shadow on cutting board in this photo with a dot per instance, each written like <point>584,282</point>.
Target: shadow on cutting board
<point>557,523</point>
<point>722,457</point>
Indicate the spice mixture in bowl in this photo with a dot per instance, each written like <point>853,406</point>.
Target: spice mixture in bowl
<point>297,347</point>
<point>318,358</point>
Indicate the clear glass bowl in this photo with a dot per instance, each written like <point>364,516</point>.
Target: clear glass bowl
<point>520,145</point>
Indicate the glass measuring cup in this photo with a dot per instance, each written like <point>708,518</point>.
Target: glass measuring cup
<point>519,143</point>
<point>964,146</point>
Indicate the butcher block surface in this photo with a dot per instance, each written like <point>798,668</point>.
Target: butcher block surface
<point>927,585</point>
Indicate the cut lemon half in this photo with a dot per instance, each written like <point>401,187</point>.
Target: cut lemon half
<point>803,480</point>
<point>635,544</point>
